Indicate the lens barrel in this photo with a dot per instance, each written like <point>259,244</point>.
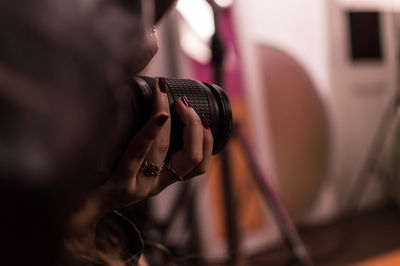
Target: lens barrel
<point>206,99</point>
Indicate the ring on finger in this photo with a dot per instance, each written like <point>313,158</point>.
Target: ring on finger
<point>172,172</point>
<point>150,169</point>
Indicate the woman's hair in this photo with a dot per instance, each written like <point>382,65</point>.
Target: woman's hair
<point>58,63</point>
<point>116,241</point>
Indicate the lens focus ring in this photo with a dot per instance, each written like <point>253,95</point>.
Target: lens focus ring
<point>206,99</point>
<point>195,92</point>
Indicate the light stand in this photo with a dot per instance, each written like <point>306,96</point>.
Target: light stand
<point>389,116</point>
<point>260,176</point>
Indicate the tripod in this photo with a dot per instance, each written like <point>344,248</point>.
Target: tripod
<point>259,174</point>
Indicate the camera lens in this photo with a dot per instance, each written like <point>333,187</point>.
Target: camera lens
<point>206,99</point>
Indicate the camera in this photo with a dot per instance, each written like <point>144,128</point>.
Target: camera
<point>206,99</point>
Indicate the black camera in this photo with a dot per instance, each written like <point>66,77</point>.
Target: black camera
<point>206,99</point>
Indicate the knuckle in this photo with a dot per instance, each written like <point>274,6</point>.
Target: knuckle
<point>139,191</point>
<point>209,138</point>
<point>195,120</point>
<point>163,148</point>
<point>195,158</point>
<point>139,152</point>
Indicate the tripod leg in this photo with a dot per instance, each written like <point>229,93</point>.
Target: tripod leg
<point>273,200</point>
<point>232,228</point>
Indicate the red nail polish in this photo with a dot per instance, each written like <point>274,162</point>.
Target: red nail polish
<point>204,121</point>
<point>185,101</point>
<point>161,121</point>
<point>162,84</point>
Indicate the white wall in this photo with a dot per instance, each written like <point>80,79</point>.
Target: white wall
<point>315,34</point>
<point>360,94</point>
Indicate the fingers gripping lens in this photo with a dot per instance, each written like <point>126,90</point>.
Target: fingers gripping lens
<point>209,101</point>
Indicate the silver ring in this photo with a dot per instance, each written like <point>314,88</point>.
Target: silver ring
<point>172,172</point>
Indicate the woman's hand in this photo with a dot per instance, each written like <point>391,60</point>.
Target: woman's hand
<point>131,182</point>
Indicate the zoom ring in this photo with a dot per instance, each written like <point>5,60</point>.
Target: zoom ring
<point>195,92</point>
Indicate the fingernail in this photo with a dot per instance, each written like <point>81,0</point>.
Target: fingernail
<point>204,121</point>
<point>161,121</point>
<point>163,85</point>
<point>185,101</point>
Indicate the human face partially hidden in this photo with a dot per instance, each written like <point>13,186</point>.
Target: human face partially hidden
<point>142,54</point>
